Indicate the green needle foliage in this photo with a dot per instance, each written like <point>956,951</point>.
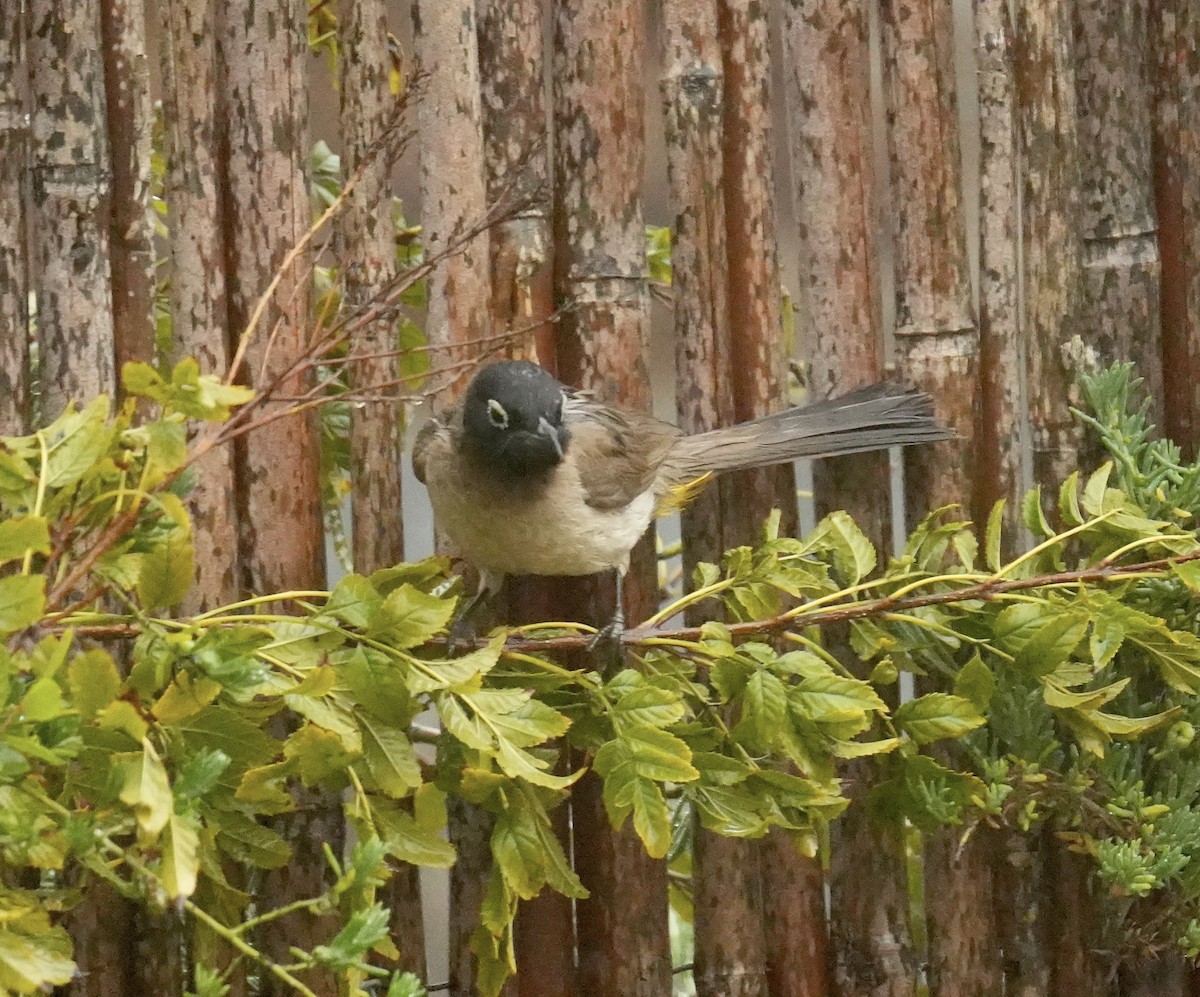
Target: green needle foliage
<point>135,745</point>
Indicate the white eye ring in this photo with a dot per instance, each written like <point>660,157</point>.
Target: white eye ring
<point>497,416</point>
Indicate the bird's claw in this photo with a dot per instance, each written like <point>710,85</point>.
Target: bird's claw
<point>460,636</point>
<point>607,643</point>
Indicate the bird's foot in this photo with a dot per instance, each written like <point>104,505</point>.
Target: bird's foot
<point>607,643</point>
<point>461,635</point>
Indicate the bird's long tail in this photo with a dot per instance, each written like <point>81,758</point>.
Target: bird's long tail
<point>872,418</point>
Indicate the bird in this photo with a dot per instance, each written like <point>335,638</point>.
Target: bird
<point>528,476</point>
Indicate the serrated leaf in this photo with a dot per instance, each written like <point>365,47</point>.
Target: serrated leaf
<point>764,705</point>
<point>992,538</point>
<point>75,443</point>
<point>409,617</point>
<point>862,749</point>
<point>319,754</point>
<point>1032,515</point>
<point>834,699</point>
<point>43,701</point>
<point>93,680</point>
<point>21,534</point>
<point>147,791</point>
<point>455,672</point>
<point>167,571</point>
<point>975,682</point>
<point>1189,573</point>
<point>522,765</point>
<point>853,554</point>
<point>389,757</point>
<point>1051,644</point>
<point>1058,698</point>
<point>659,755</point>
<point>651,820</point>
<point>22,601</point>
<point>649,706</point>
<point>1068,500</point>
<point>354,601</point>
<point>181,857</point>
<point>249,841</point>
<point>123,716</point>
<point>935,716</point>
<point>1128,728</point>
<point>32,960</point>
<point>185,697</point>
<point>1096,488</point>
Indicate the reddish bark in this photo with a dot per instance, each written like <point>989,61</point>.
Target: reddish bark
<point>14,264</point>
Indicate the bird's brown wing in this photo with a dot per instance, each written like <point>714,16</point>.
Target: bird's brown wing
<point>617,451</point>
<point>425,437</point>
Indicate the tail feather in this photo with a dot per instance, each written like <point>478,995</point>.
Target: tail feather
<point>873,418</point>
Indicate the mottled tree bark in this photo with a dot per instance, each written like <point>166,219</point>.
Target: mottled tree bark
<point>1023,916</point>
<point>1047,125</point>
<point>453,196</point>
<point>1176,159</point>
<point>730,943</point>
<point>937,343</point>
<point>1119,231</point>
<point>130,220</point>
<point>1001,431</point>
<point>1074,927</point>
<point>265,126</point>
<point>367,242</point>
<point>603,339</point>
<point>68,222</point>
<point>828,109</point>
<point>101,926</point>
<point>14,261</point>
<point>195,244</point>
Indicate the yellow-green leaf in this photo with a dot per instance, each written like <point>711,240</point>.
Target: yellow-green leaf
<point>937,715</point>
<point>181,857</point>
<point>22,601</point>
<point>22,534</point>
<point>148,792</point>
<point>94,682</point>
<point>167,570</point>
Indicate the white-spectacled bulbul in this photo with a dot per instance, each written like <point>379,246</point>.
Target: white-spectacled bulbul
<point>530,477</point>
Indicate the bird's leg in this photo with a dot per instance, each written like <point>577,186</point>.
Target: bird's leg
<point>462,628</point>
<point>607,640</point>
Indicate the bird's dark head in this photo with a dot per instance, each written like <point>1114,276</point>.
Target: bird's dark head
<point>513,418</point>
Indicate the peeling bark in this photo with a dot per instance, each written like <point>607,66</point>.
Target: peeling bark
<point>130,221</point>
<point>68,219</point>
<point>1001,430</point>
<point>449,122</point>
<point>197,294</point>
<point>14,262</point>
<point>1176,159</point>
<point>1119,231</point>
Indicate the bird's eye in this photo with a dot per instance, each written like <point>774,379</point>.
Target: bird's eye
<point>497,415</point>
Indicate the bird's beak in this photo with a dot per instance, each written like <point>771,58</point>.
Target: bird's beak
<point>549,431</point>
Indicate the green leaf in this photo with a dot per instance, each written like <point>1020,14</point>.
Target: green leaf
<point>522,765</point>
<point>22,601</point>
<point>764,704</point>
<point>1033,516</point>
<point>354,601</point>
<point>853,554</point>
<point>937,715</point>
<point>364,928</point>
<point>43,701</point>
<point>181,857</point>
<point>167,571</point>
<point>834,699</point>
<point>1188,573</point>
<point>862,749</point>
<point>1095,490</point>
<point>411,839</point>
<point>1068,501</point>
<point>975,682</point>
<point>320,755</point>
<point>34,956</point>
<point>147,791</point>
<point>75,442</point>
<point>649,706</point>
<point>995,526</point>
<point>410,617</point>
<point>658,755</point>
<point>1058,698</point>
<point>93,680</point>
<point>185,697</point>
<point>651,820</point>
<point>389,757</point>
<point>24,533</point>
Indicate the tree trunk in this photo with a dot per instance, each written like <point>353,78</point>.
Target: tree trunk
<point>1121,268</point>
<point>195,244</point>
<point>1001,430</point>
<point>1047,122</point>
<point>1023,917</point>
<point>603,339</point>
<point>262,49</point>
<point>68,223</point>
<point>1074,925</point>
<point>449,120</point>
<point>512,64</point>
<point>130,220</point>
<point>14,262</point>
<point>937,343</point>
<point>828,108</point>
<point>1176,160</point>
<point>367,239</point>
